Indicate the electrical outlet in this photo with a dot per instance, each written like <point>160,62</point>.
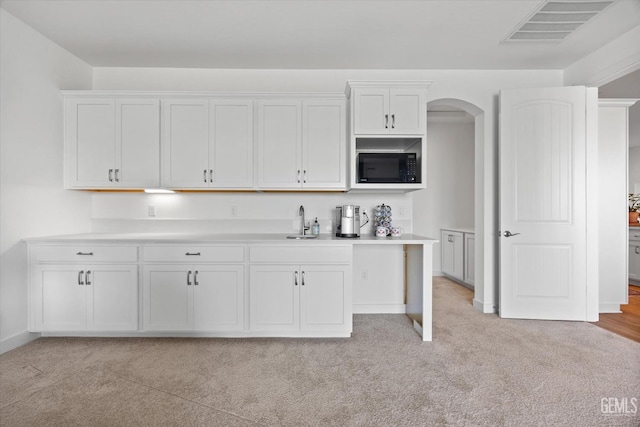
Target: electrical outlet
<point>401,211</point>
<point>364,274</point>
<point>151,210</point>
<point>234,211</point>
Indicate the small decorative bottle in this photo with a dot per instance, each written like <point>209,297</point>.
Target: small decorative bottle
<point>315,230</point>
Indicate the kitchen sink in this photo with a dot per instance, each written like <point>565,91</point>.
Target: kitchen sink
<point>303,236</point>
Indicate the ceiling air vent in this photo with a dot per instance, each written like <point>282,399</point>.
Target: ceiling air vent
<point>556,19</point>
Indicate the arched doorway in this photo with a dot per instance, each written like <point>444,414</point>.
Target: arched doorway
<point>462,124</point>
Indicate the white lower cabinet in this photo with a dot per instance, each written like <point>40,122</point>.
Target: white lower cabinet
<point>453,254</point>
<point>634,261</point>
<point>458,256</point>
<point>469,258</point>
<point>193,297</point>
<point>299,298</point>
<point>301,290</point>
<point>85,297</point>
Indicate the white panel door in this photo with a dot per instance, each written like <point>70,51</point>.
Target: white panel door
<point>59,298</point>
<point>279,144</point>
<point>371,111</point>
<point>112,297</point>
<point>167,298</point>
<point>185,143</point>
<point>231,139</point>
<point>408,109</point>
<point>137,143</point>
<point>274,298</point>
<point>90,142</point>
<point>218,297</point>
<point>543,157</point>
<point>323,298</point>
<point>323,144</point>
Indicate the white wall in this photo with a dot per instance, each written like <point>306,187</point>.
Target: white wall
<point>32,71</point>
<point>477,87</point>
<point>448,200</point>
<point>634,170</point>
<point>255,212</point>
<point>613,60</point>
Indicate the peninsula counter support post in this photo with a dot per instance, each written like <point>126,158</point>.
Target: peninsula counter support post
<point>419,288</point>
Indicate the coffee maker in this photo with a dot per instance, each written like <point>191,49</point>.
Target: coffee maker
<point>348,221</point>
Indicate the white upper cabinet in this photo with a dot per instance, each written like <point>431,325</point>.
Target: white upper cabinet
<point>112,143</point>
<point>207,143</point>
<point>279,148</point>
<point>383,109</point>
<point>324,149</point>
<point>185,143</point>
<point>302,144</point>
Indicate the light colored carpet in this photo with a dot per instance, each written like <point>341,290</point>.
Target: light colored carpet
<point>479,371</point>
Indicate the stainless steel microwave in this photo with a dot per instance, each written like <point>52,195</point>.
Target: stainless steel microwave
<point>387,168</point>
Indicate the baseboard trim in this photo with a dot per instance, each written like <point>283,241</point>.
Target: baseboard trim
<point>379,308</point>
<point>437,273</point>
<point>609,307</point>
<point>484,308</point>
<point>17,340</point>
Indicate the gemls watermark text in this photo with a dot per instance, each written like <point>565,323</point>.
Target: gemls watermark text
<point>619,406</point>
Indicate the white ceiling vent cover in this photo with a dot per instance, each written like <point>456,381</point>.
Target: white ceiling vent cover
<point>556,19</point>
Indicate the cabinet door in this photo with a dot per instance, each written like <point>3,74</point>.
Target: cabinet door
<point>89,143</point>
<point>185,143</point>
<point>634,260</point>
<point>231,139</point>
<point>279,144</point>
<point>137,143</point>
<point>469,259</point>
<point>452,254</point>
<point>112,297</point>
<point>371,111</point>
<point>323,144</point>
<point>168,298</point>
<point>408,111</point>
<point>325,299</point>
<point>275,298</point>
<point>219,298</point>
<point>59,298</point>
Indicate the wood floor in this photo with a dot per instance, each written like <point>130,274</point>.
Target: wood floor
<point>627,323</point>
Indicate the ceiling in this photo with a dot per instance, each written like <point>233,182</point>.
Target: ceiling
<point>306,34</point>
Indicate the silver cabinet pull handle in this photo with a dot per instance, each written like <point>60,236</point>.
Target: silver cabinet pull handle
<point>110,175</point>
<point>296,280</point>
<point>189,278</point>
<point>386,121</point>
<point>304,174</point>
<point>298,176</point>
<point>86,277</point>
<point>210,175</point>
<point>510,234</point>
<point>303,278</point>
<point>204,175</point>
<point>195,278</point>
<point>637,249</point>
<point>80,273</point>
<point>393,121</point>
<point>192,254</point>
<point>84,253</point>
<point>117,171</point>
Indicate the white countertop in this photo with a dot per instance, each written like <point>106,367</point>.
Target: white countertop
<point>280,238</point>
<point>468,230</point>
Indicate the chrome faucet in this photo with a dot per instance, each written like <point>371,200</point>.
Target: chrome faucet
<point>303,226</point>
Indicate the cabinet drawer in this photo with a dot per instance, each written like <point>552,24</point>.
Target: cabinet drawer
<point>301,255</point>
<point>634,235</point>
<point>84,253</point>
<point>193,253</point>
